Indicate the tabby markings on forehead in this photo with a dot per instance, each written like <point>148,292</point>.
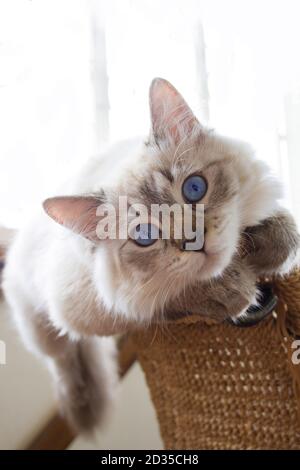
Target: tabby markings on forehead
<point>150,194</point>
<point>167,174</point>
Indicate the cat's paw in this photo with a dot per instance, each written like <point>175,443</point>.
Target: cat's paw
<point>272,247</point>
<point>260,309</point>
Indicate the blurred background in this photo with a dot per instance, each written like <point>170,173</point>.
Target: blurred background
<point>74,74</point>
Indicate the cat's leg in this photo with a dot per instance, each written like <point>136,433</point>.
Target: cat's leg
<point>226,296</point>
<point>272,247</point>
<point>84,370</point>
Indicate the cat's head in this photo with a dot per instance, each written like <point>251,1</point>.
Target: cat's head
<point>181,163</point>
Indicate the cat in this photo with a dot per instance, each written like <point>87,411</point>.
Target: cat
<point>69,290</point>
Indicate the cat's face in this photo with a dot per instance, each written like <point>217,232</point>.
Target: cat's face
<point>161,179</point>
<point>182,163</point>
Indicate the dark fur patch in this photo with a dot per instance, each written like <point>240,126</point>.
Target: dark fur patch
<point>140,259</point>
<point>223,189</point>
<point>167,174</point>
<point>272,242</point>
<point>149,193</point>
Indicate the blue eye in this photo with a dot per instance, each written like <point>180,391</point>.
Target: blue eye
<point>194,188</point>
<point>146,234</point>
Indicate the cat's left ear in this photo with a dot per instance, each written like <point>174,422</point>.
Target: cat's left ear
<point>171,116</point>
<point>77,213</point>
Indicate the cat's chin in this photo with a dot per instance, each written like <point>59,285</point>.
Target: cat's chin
<point>213,264</point>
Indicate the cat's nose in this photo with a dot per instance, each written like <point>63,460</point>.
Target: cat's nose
<point>198,244</point>
<point>192,245</point>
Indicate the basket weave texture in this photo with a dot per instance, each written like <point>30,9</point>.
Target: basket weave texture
<point>223,387</point>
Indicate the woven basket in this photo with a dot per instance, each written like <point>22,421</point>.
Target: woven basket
<point>223,387</point>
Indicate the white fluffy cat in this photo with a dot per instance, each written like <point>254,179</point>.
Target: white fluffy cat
<point>67,288</point>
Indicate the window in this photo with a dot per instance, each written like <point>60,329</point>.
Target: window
<point>74,74</point>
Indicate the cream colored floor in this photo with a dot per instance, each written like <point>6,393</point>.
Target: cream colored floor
<point>133,424</point>
<point>26,398</point>
<point>26,402</point>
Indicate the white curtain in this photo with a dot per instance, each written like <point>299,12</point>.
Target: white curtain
<point>75,73</point>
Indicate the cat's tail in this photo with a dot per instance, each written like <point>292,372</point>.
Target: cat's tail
<point>86,380</point>
<point>6,237</point>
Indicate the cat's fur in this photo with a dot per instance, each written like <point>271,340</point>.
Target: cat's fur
<point>66,286</point>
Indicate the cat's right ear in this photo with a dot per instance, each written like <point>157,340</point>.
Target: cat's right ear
<point>77,213</point>
<point>172,118</point>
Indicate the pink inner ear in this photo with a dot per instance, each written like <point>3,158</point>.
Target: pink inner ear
<point>171,116</point>
<point>76,213</point>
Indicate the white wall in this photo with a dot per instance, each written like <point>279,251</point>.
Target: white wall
<point>26,398</point>
<point>27,402</point>
<point>133,424</point>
